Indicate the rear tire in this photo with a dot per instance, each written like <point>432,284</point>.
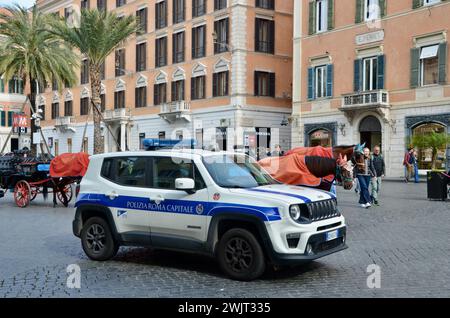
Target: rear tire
<point>240,255</point>
<point>97,240</point>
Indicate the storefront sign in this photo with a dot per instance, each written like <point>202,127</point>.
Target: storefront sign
<point>20,121</point>
<point>371,37</point>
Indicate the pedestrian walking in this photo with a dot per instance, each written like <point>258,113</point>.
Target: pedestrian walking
<point>380,171</point>
<point>415,163</point>
<point>364,171</point>
<point>407,164</point>
<point>278,152</point>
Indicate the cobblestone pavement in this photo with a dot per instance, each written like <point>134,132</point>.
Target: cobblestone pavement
<point>407,236</point>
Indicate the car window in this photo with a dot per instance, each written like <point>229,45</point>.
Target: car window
<point>130,171</point>
<point>167,169</point>
<point>107,169</point>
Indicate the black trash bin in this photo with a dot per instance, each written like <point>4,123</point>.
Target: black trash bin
<point>436,185</point>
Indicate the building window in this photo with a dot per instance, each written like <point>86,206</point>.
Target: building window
<point>178,47</point>
<point>85,145</point>
<point>199,42</point>
<point>84,76</point>
<point>69,145</point>
<point>54,84</point>
<point>119,100</point>
<point>161,15</point>
<point>264,36</point>
<point>370,73</point>
<point>198,8</point>
<point>321,15</point>
<point>85,4</point>
<point>178,11</point>
<point>120,3</point>
<point>42,107</point>
<point>221,29</point>
<point>141,96</point>
<point>220,4</point>
<point>178,91</point>
<point>220,84</point>
<point>320,80</point>
<point>55,110</point>
<point>371,10</point>
<point>265,4</point>
<point>101,5</point>
<point>429,65</point>
<point>160,94</point>
<point>120,62</point>
<point>67,13</point>
<point>161,52</point>
<point>198,87</point>
<point>425,155</point>
<point>141,16</point>
<point>102,102</point>
<point>15,86</point>
<point>141,57</point>
<point>84,106</point>
<point>264,84</point>
<point>162,135</point>
<point>68,108</point>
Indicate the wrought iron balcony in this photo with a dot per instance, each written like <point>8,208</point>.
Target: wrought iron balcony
<point>368,99</point>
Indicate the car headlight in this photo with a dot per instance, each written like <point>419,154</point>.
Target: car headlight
<point>294,211</point>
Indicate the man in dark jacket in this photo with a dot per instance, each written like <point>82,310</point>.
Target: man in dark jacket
<point>380,171</point>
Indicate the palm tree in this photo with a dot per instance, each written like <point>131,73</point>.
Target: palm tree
<point>99,33</point>
<point>30,52</point>
<point>433,141</point>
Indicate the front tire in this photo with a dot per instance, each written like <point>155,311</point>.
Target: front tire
<point>240,255</point>
<point>97,240</point>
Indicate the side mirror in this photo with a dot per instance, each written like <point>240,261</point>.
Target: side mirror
<point>185,184</point>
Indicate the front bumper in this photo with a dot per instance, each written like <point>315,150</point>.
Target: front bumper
<point>320,248</point>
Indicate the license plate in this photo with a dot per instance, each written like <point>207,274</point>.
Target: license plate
<point>332,235</point>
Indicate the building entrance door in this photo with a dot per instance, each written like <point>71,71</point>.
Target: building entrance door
<point>370,132</point>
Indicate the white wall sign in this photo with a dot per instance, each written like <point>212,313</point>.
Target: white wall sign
<point>371,37</point>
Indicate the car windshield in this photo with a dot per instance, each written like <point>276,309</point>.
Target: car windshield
<point>236,171</point>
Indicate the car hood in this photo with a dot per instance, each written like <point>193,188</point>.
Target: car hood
<point>285,193</point>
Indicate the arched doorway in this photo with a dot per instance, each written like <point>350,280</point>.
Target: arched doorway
<point>370,132</point>
<point>425,155</point>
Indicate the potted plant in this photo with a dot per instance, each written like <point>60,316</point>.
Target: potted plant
<point>436,182</point>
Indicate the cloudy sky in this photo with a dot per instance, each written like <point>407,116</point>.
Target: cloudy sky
<point>25,3</point>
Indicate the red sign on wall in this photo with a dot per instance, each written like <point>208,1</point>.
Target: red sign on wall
<point>20,121</point>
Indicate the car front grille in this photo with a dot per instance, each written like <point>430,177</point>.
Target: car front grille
<point>321,210</point>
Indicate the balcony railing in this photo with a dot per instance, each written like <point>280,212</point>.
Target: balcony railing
<point>117,114</point>
<point>64,121</point>
<point>175,107</point>
<point>175,110</point>
<point>378,98</point>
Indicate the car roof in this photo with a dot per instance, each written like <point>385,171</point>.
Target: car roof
<point>187,153</point>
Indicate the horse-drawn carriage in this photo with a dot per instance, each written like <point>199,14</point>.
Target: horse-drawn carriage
<point>28,176</point>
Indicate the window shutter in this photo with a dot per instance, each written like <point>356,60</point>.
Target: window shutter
<point>359,11</point>
<point>2,86</point>
<point>330,80</point>
<point>192,88</point>
<point>182,89</point>
<point>255,82</point>
<point>173,91</point>
<point>146,20</point>
<point>10,119</point>
<point>174,46</point>
<point>442,55</point>
<point>272,37</point>
<point>204,87</point>
<point>382,4</point>
<point>311,83</point>
<point>257,28</point>
<point>415,59</point>
<point>227,84</point>
<point>381,69</point>
<point>417,4</point>
<point>312,17</point>
<point>155,95</point>
<point>3,119</point>
<point>193,43</point>
<point>330,14</point>
<point>272,84</point>
<point>157,48</point>
<point>357,75</point>
<point>215,84</point>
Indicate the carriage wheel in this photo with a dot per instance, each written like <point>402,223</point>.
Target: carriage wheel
<point>22,194</point>
<point>65,194</point>
<point>34,194</point>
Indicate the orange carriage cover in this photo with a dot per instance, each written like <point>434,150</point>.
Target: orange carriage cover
<point>69,165</point>
<point>291,169</point>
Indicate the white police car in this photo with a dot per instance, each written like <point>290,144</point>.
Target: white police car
<point>215,203</point>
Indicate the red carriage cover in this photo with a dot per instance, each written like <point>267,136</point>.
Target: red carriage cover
<point>292,169</point>
<point>69,165</point>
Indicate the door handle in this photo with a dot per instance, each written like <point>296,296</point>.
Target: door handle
<point>112,195</point>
